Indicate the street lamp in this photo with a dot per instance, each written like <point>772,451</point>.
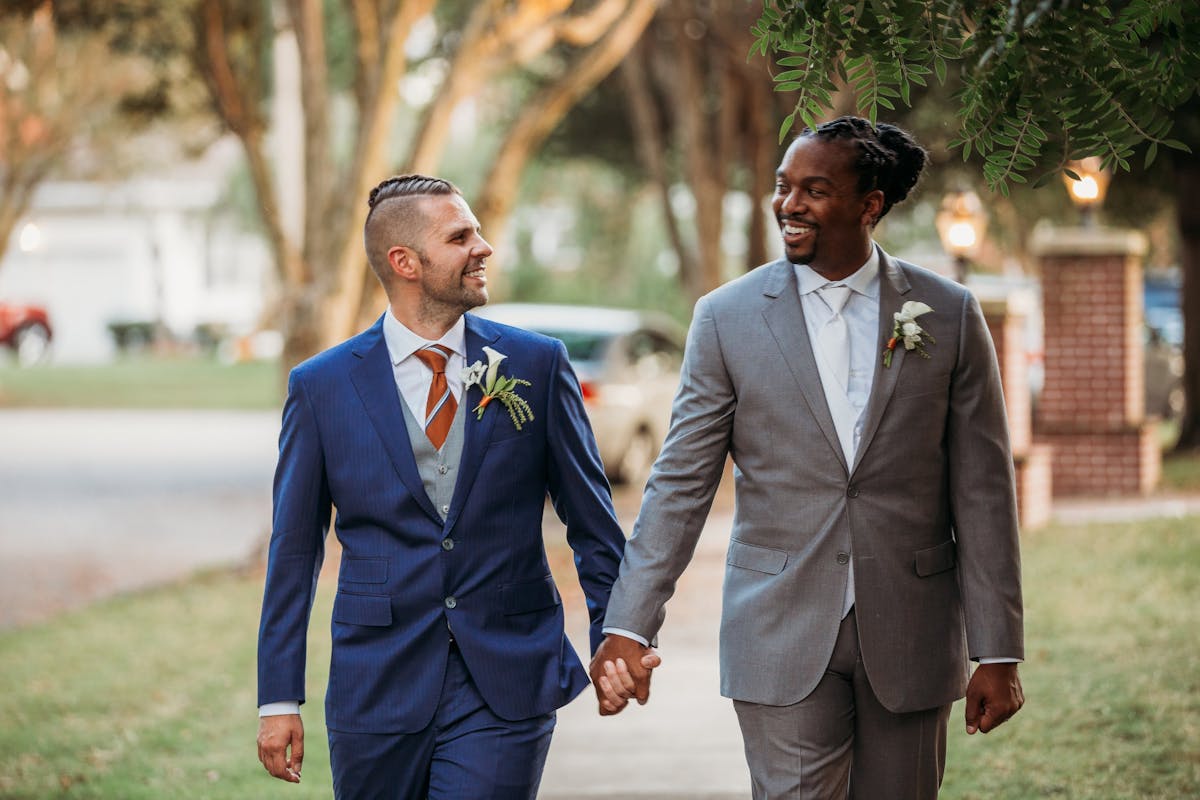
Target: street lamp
<point>1087,193</point>
<point>960,225</point>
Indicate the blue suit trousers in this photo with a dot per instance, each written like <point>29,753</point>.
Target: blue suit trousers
<point>465,753</point>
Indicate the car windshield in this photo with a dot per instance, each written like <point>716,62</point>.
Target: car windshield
<point>581,345</point>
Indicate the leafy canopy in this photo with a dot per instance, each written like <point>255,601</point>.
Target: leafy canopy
<point>1043,81</point>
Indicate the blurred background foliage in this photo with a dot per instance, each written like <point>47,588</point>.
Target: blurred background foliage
<point>617,151</point>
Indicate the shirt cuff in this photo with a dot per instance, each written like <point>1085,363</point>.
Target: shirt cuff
<point>999,660</point>
<point>278,709</point>
<point>627,634</point>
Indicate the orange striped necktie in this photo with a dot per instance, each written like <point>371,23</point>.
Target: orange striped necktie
<point>441,405</point>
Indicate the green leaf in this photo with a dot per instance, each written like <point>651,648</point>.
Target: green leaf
<point>786,126</point>
<point>1151,154</point>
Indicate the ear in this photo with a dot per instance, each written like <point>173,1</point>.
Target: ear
<point>872,207</point>
<point>404,263</point>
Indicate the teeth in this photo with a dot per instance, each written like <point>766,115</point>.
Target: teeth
<point>792,230</point>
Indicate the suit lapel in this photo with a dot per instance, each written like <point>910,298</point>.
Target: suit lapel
<point>893,285</point>
<point>478,432</point>
<point>784,316</point>
<point>376,386</point>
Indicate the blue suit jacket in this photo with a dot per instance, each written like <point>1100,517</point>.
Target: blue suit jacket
<point>344,444</point>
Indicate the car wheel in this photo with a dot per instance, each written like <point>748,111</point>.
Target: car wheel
<point>638,459</point>
<point>32,344</point>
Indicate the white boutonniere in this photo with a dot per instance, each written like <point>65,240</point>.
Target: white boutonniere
<point>906,330</point>
<point>497,387</point>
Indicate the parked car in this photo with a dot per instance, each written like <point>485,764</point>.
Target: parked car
<point>628,366</point>
<point>1163,346</point>
<point>26,331</point>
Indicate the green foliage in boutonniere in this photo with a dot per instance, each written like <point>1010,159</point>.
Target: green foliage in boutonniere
<point>905,329</point>
<point>497,387</point>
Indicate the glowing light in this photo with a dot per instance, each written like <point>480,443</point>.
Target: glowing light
<point>1086,189</point>
<point>961,235</point>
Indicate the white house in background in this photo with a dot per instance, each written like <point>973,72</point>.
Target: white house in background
<point>155,248</point>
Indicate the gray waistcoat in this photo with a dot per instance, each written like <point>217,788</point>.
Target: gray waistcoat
<point>438,468</point>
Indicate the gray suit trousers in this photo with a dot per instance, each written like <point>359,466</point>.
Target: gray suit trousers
<point>840,742</point>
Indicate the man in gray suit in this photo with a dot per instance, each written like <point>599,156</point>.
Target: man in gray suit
<point>874,550</point>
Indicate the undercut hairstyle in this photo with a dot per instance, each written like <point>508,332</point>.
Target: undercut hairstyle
<point>887,158</point>
<point>395,217</point>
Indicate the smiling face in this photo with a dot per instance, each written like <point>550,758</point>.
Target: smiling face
<point>825,221</point>
<point>452,259</point>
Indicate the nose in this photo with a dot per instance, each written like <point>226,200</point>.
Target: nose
<point>792,203</point>
<point>482,249</point>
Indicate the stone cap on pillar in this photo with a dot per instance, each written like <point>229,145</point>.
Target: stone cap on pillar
<point>1005,302</point>
<point>1052,240</point>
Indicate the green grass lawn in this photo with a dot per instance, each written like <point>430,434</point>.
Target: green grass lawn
<point>145,383</point>
<point>151,695</point>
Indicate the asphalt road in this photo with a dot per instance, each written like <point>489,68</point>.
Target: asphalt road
<point>98,502</point>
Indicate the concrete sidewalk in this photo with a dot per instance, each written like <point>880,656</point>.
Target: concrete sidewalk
<point>685,742</point>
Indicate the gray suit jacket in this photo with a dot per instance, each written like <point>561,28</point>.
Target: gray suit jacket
<point>928,509</point>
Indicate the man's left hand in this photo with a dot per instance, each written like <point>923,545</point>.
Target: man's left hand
<point>993,695</point>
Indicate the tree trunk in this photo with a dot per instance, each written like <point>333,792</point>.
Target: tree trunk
<point>351,274</point>
<point>302,324</point>
<point>1187,177</point>
<point>652,149</point>
<point>761,159</point>
<point>705,176</point>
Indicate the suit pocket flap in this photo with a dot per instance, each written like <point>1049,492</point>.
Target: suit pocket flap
<point>935,559</point>
<point>364,570</point>
<point>362,609</point>
<point>519,598</point>
<point>759,559</point>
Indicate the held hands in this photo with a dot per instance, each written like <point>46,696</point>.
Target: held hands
<point>993,695</point>
<point>620,671</point>
<point>275,735</point>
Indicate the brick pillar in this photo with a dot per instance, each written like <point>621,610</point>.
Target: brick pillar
<point>1092,409</point>
<point>1006,315</point>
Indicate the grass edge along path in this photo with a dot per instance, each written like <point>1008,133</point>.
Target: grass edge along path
<point>151,695</point>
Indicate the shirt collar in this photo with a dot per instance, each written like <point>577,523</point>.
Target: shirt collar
<point>402,342</point>
<point>865,279</point>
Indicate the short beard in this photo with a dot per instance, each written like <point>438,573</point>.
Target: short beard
<point>446,310</point>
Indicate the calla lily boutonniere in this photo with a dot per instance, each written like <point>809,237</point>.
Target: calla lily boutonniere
<point>497,387</point>
<point>905,329</point>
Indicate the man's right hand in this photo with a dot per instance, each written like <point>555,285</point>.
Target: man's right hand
<point>276,736</point>
<point>621,670</point>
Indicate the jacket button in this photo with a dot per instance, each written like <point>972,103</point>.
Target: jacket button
<point>447,544</point>
<point>451,602</point>
<point>443,469</point>
<point>843,558</point>
<point>852,491</point>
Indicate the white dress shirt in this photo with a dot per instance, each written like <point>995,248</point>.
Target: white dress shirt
<point>413,378</point>
<point>861,314</point>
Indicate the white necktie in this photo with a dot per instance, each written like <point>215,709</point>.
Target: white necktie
<point>833,339</point>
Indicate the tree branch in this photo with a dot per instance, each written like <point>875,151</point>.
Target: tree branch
<point>542,114</point>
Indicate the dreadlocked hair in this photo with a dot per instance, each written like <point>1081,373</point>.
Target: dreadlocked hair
<point>887,158</point>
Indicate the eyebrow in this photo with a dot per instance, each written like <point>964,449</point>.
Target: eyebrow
<point>458,230</point>
<point>808,180</point>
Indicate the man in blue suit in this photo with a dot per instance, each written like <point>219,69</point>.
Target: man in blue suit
<point>436,435</point>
